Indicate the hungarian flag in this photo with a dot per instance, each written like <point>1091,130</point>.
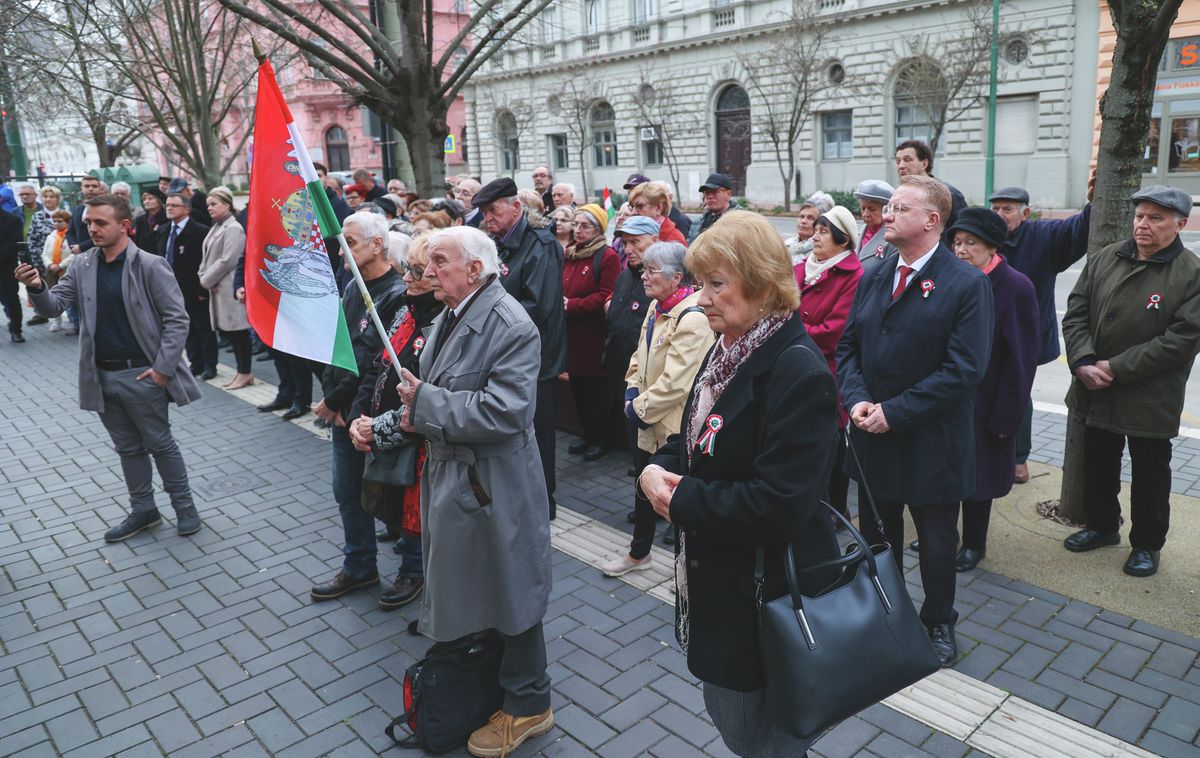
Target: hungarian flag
<point>608,206</point>
<point>291,296</point>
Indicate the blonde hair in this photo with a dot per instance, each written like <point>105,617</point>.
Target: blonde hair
<point>531,199</point>
<point>436,219</point>
<point>936,193</point>
<point>418,250</point>
<point>749,247</point>
<point>654,194</point>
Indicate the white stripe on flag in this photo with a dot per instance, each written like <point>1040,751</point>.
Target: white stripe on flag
<point>307,171</point>
<point>307,326</point>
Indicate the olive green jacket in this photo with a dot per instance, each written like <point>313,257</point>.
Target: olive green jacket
<point>1143,317</point>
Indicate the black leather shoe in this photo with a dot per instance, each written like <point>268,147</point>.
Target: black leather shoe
<point>631,517</point>
<point>340,585</point>
<point>274,405</point>
<point>575,448</point>
<point>320,423</point>
<point>133,524</point>
<point>188,522</point>
<point>968,559</point>
<point>402,592</point>
<point>197,370</point>
<point>1142,563</point>
<point>1087,539</point>
<point>915,546</point>
<point>386,535</point>
<point>594,453</point>
<point>296,411</point>
<point>209,374</point>
<point>17,338</point>
<point>264,358</point>
<point>35,320</point>
<point>944,644</point>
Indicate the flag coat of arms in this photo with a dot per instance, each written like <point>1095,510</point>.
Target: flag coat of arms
<point>292,299</point>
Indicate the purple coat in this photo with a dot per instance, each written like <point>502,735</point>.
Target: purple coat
<point>1001,397</point>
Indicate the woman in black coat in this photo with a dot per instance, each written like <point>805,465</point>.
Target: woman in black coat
<point>747,470</point>
<point>1002,395</point>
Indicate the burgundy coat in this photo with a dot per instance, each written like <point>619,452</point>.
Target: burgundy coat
<point>1001,397</point>
<point>825,306</point>
<point>586,294</point>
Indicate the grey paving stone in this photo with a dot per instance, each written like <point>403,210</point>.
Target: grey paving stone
<point>173,730</point>
<point>886,744</point>
<point>1185,688</point>
<point>1031,691</point>
<point>275,730</point>
<point>1029,661</point>
<point>686,694</point>
<point>228,741</point>
<point>672,747</point>
<point>944,746</point>
<point>582,726</point>
<point>1172,659</point>
<point>112,744</point>
<point>846,739</point>
<point>697,730</point>
<point>71,730</point>
<point>1168,747</point>
<point>136,714</point>
<point>636,740</point>
<point>1179,718</point>
<point>634,679</point>
<point>1125,688</point>
<point>1145,641</point>
<point>1127,720</point>
<point>1076,660</point>
<point>1077,710</point>
<point>1073,687</point>
<point>585,694</point>
<point>630,710</point>
<point>897,724</point>
<point>1125,660</point>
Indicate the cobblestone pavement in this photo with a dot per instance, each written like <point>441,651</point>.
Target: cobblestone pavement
<point>209,645</point>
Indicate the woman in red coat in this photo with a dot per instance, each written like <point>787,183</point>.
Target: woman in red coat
<point>828,278</point>
<point>650,199</point>
<point>590,270</point>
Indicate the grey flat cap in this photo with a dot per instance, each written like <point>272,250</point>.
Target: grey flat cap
<point>1015,194</point>
<point>1172,198</point>
<point>874,189</point>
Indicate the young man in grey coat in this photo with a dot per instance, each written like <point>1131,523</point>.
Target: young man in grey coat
<point>133,326</point>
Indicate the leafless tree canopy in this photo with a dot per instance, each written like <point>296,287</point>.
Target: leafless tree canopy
<point>578,89</point>
<point>659,106</point>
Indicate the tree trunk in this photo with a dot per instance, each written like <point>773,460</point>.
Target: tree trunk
<point>1143,27</point>
<point>425,136</point>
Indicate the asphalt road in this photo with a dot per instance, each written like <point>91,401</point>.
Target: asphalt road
<point>1053,379</point>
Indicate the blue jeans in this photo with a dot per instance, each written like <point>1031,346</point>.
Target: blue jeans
<point>411,559</point>
<point>358,527</point>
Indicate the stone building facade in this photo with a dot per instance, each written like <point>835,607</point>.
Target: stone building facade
<point>695,54</point>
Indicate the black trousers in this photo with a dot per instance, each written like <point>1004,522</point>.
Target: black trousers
<point>645,520</point>
<point>976,516</point>
<point>10,297</point>
<point>1150,491</point>
<point>240,340</point>
<point>201,340</point>
<point>592,405</point>
<point>543,429</point>
<point>523,674</point>
<point>937,528</point>
<point>286,393</point>
<point>303,372</point>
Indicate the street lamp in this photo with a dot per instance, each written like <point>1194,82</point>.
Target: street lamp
<point>989,179</point>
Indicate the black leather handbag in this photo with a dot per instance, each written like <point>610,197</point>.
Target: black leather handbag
<point>828,657</point>
<point>396,467</point>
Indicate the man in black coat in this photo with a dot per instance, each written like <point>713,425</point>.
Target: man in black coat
<point>531,266</point>
<point>181,242</point>
<point>543,184</point>
<point>718,200</point>
<point>10,235</point>
<point>197,200</point>
<point>915,346</point>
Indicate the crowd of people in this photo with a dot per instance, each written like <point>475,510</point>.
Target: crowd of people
<point>749,377</point>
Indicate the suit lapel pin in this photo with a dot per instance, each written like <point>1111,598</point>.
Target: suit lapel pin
<point>708,440</point>
<point>927,288</point>
<point>1154,302</point>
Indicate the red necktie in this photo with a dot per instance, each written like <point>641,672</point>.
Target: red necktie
<point>904,272</point>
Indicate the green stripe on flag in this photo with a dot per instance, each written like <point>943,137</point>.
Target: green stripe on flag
<point>325,218</point>
<point>343,351</point>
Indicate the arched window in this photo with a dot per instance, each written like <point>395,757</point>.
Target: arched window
<point>733,135</point>
<point>508,142</point>
<point>921,92</point>
<point>337,149</point>
<point>604,135</point>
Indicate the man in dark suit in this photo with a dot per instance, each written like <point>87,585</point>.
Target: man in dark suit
<point>10,237</point>
<point>915,346</point>
<point>196,199</point>
<point>181,242</point>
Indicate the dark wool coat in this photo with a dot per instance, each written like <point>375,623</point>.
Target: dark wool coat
<point>922,358</point>
<point>1110,317</point>
<point>340,385</point>
<point>1041,250</point>
<point>531,264</point>
<point>761,486</point>
<point>626,313</point>
<point>586,293</point>
<point>189,252</point>
<point>1003,395</point>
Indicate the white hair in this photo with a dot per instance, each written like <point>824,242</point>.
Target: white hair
<point>474,245</point>
<point>566,187</point>
<point>822,201</point>
<point>666,187</point>
<point>23,185</point>
<point>117,186</point>
<point>397,247</point>
<point>371,225</point>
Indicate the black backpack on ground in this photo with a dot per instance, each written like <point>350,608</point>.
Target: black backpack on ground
<point>450,693</point>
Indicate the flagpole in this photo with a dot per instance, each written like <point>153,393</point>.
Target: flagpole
<point>329,223</point>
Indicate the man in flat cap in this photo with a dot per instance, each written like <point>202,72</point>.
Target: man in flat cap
<point>1040,250</point>
<point>1132,330</point>
<point>718,200</point>
<point>531,265</point>
<point>873,195</point>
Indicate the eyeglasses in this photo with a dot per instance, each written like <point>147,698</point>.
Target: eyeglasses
<point>895,209</point>
<point>653,271</point>
<point>417,272</point>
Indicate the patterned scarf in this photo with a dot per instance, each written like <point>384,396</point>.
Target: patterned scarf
<point>722,367</point>
<point>579,252</point>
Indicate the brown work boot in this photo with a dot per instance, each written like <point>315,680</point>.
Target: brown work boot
<point>504,733</point>
<point>1021,474</point>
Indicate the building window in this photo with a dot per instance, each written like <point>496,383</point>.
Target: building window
<point>507,142</point>
<point>652,148</point>
<point>460,6</point>
<point>559,155</point>
<point>337,149</point>
<point>550,25</point>
<point>591,16</point>
<point>837,132</point>
<point>1150,156</point>
<point>1185,145</point>
<point>604,135</point>
<point>1016,125</point>
<point>644,11</point>
<point>921,88</point>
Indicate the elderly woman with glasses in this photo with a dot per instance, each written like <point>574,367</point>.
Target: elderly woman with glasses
<point>651,200</point>
<point>590,269</point>
<point>399,508</point>
<point>563,220</point>
<point>675,338</point>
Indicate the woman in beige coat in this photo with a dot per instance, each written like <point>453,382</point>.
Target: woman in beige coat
<point>674,340</point>
<point>223,248</point>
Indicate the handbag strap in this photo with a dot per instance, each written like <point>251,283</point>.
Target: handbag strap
<point>409,741</point>
<point>863,486</point>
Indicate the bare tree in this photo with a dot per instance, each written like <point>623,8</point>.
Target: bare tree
<point>790,77</point>
<point>516,132</point>
<point>945,75</point>
<point>661,109</point>
<point>577,90</point>
<point>1143,28</point>
<point>410,85</point>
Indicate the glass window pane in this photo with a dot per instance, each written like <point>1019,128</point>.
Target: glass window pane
<point>1185,145</point>
<point>1150,156</point>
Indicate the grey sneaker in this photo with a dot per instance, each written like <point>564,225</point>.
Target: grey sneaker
<point>187,523</point>
<point>133,524</point>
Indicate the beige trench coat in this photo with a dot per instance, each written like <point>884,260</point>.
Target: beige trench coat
<point>223,248</point>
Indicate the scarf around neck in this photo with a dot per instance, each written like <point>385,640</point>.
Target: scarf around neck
<point>813,268</point>
<point>579,252</point>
